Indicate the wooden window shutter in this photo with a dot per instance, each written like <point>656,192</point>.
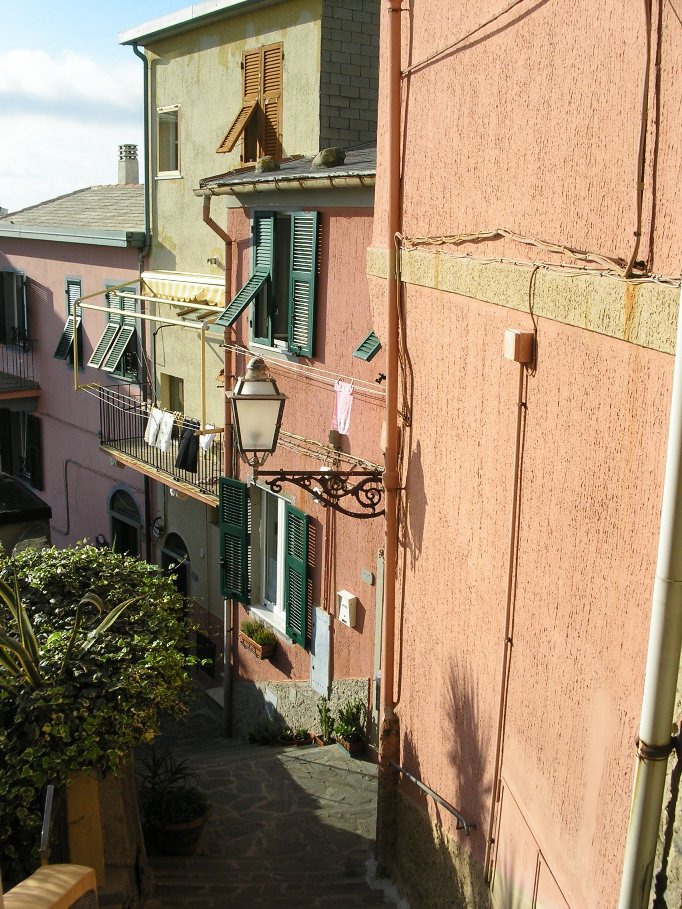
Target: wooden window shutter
<point>118,348</point>
<point>368,348</point>
<point>296,574</point>
<point>66,340</point>
<point>238,126</point>
<point>302,283</point>
<point>271,101</point>
<point>251,72</point>
<point>73,293</point>
<point>34,451</point>
<point>104,343</point>
<point>233,517</point>
<point>251,65</point>
<point>263,232</point>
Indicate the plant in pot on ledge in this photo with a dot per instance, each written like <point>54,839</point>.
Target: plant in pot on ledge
<point>174,808</point>
<point>351,727</point>
<point>257,637</point>
<point>325,736</point>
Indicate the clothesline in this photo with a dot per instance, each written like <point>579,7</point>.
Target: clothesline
<point>321,375</point>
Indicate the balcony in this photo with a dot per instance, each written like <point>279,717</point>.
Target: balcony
<point>123,421</point>
<point>17,377</point>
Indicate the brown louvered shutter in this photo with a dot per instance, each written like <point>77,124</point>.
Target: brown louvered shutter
<point>271,101</point>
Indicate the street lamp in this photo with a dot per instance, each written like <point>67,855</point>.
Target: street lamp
<point>257,407</point>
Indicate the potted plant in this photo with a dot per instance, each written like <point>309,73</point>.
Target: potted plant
<point>325,736</point>
<point>174,808</point>
<point>351,727</point>
<point>257,637</point>
<point>302,736</point>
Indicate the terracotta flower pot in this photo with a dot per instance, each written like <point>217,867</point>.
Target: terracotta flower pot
<point>178,839</point>
<point>352,747</point>
<point>261,651</point>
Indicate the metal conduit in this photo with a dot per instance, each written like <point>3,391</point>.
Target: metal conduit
<point>462,823</point>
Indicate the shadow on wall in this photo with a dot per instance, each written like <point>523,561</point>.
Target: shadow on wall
<point>436,866</point>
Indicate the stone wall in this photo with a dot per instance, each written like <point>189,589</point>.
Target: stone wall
<point>349,72</point>
<point>431,869</point>
<point>295,703</point>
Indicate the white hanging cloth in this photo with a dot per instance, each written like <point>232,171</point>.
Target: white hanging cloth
<point>152,429</point>
<point>343,404</point>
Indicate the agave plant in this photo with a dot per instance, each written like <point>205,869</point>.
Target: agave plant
<point>21,656</point>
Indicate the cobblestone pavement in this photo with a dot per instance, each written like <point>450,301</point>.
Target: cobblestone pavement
<point>290,827</point>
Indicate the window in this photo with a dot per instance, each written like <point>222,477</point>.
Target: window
<point>168,141</point>
<point>125,523</point>
<point>172,393</point>
<point>282,284</point>
<point>259,121</point>
<point>13,309</point>
<point>21,446</point>
<point>64,349</point>
<point>116,351</point>
<point>264,555</point>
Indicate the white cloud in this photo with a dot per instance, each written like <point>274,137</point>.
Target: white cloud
<point>47,156</point>
<point>67,78</point>
<point>63,116</point>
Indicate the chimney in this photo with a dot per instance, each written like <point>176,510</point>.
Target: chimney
<point>128,167</point>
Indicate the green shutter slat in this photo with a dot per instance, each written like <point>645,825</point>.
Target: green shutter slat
<point>302,283</point>
<point>296,574</point>
<point>242,299</point>
<point>368,348</point>
<point>118,348</point>
<point>104,343</point>
<point>66,340</point>
<point>263,241</point>
<point>233,516</point>
<point>34,451</point>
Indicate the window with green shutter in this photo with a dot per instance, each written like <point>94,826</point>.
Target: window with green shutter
<point>233,511</point>
<point>281,288</point>
<point>368,348</point>
<point>117,349</point>
<point>296,574</point>
<point>64,350</point>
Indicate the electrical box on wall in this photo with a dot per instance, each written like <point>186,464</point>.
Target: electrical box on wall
<point>519,345</point>
<point>345,607</point>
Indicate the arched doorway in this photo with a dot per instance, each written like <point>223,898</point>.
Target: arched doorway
<point>125,523</point>
<point>175,553</point>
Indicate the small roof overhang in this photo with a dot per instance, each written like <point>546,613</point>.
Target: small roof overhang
<point>120,238</point>
<point>188,18</point>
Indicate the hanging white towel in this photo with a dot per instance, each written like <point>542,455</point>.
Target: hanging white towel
<point>153,425</point>
<point>165,431</point>
<point>206,440</point>
<point>343,403</point>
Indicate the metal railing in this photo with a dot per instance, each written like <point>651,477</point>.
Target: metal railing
<point>123,421</point>
<point>16,362</point>
<point>462,823</point>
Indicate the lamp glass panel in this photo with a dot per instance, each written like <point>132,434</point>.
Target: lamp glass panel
<point>257,421</point>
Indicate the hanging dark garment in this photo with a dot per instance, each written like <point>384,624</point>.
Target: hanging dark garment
<point>188,450</point>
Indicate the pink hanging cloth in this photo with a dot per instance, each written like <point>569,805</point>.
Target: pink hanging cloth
<point>343,404</point>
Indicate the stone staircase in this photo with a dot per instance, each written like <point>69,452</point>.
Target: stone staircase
<point>290,827</point>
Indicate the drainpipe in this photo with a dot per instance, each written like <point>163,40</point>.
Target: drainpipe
<point>663,662</point>
<point>389,739</point>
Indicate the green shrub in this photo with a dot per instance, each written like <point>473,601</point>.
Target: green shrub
<point>169,793</point>
<point>88,698</point>
<point>258,631</point>
<point>352,722</point>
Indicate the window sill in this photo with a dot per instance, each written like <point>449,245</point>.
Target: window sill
<point>281,353</point>
<point>273,620</point>
<point>169,175</point>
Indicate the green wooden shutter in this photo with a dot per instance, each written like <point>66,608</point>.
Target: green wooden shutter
<point>296,574</point>
<point>263,244</point>
<point>34,451</point>
<point>64,346</point>
<point>233,517</point>
<point>104,343</point>
<point>263,258</point>
<point>368,348</point>
<point>241,300</point>
<point>118,348</point>
<point>302,283</point>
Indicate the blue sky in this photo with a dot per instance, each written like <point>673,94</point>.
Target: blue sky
<point>69,93</point>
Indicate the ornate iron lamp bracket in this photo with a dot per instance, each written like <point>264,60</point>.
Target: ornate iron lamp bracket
<point>334,489</point>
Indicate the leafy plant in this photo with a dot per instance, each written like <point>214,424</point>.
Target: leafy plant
<point>265,731</point>
<point>169,793</point>
<point>326,721</point>
<point>77,688</point>
<point>352,722</point>
<point>258,631</point>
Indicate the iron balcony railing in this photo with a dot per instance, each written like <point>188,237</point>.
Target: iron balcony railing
<point>16,363</point>
<point>123,421</point>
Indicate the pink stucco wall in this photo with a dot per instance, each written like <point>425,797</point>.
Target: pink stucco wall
<point>78,478</point>
<point>344,546</point>
<point>531,124</point>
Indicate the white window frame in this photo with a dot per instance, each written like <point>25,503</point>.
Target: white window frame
<point>168,174</point>
<point>272,613</point>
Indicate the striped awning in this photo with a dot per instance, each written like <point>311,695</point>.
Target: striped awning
<point>182,288</point>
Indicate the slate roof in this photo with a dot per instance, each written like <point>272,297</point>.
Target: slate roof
<point>116,207</point>
<point>360,162</point>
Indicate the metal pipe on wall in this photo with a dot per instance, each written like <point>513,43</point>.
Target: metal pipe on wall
<point>662,667</point>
